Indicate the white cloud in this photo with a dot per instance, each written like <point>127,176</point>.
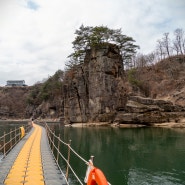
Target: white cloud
<point>36,35</point>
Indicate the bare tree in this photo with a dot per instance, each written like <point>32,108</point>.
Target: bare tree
<point>151,58</point>
<point>160,49</point>
<point>179,41</point>
<point>140,60</point>
<point>166,44</point>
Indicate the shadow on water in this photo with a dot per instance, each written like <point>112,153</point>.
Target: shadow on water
<point>130,156</point>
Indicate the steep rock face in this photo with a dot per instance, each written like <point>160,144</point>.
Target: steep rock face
<point>94,90</point>
<point>97,92</point>
<point>46,110</point>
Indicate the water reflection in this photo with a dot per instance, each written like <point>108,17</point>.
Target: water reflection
<point>143,176</point>
<point>132,156</point>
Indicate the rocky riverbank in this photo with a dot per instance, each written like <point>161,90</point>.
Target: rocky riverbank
<point>180,124</point>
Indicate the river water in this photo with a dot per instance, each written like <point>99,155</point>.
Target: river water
<point>137,156</point>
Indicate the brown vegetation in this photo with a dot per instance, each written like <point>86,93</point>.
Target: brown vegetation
<point>13,102</point>
<point>164,80</point>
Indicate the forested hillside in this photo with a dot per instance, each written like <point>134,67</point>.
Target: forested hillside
<point>164,80</point>
<point>13,102</point>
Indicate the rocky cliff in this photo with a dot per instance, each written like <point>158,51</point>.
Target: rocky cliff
<point>95,90</point>
<point>99,91</point>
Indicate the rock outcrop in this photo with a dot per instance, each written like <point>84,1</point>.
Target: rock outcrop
<point>95,90</point>
<point>140,110</point>
<point>46,110</point>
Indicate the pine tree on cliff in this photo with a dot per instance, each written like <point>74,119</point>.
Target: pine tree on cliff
<point>89,37</point>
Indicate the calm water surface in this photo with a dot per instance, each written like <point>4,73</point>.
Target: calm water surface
<point>140,156</point>
<point>5,126</point>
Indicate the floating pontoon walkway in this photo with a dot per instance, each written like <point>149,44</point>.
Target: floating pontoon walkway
<point>31,162</point>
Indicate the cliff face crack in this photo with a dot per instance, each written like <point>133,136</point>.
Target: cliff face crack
<point>79,104</point>
<point>94,97</point>
<point>86,81</point>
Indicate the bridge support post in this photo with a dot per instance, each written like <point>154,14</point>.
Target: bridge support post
<point>68,159</point>
<point>15,136</point>
<point>10,139</point>
<point>4,142</point>
<point>58,148</point>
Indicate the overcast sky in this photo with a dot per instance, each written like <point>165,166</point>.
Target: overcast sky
<point>36,35</point>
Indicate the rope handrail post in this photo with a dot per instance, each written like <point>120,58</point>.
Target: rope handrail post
<point>58,148</point>
<point>49,136</point>
<point>68,159</point>
<point>53,142</point>
<point>10,139</point>
<point>4,142</point>
<point>19,137</point>
<point>15,136</point>
<point>47,132</point>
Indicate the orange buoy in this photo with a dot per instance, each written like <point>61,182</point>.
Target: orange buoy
<point>96,176</point>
